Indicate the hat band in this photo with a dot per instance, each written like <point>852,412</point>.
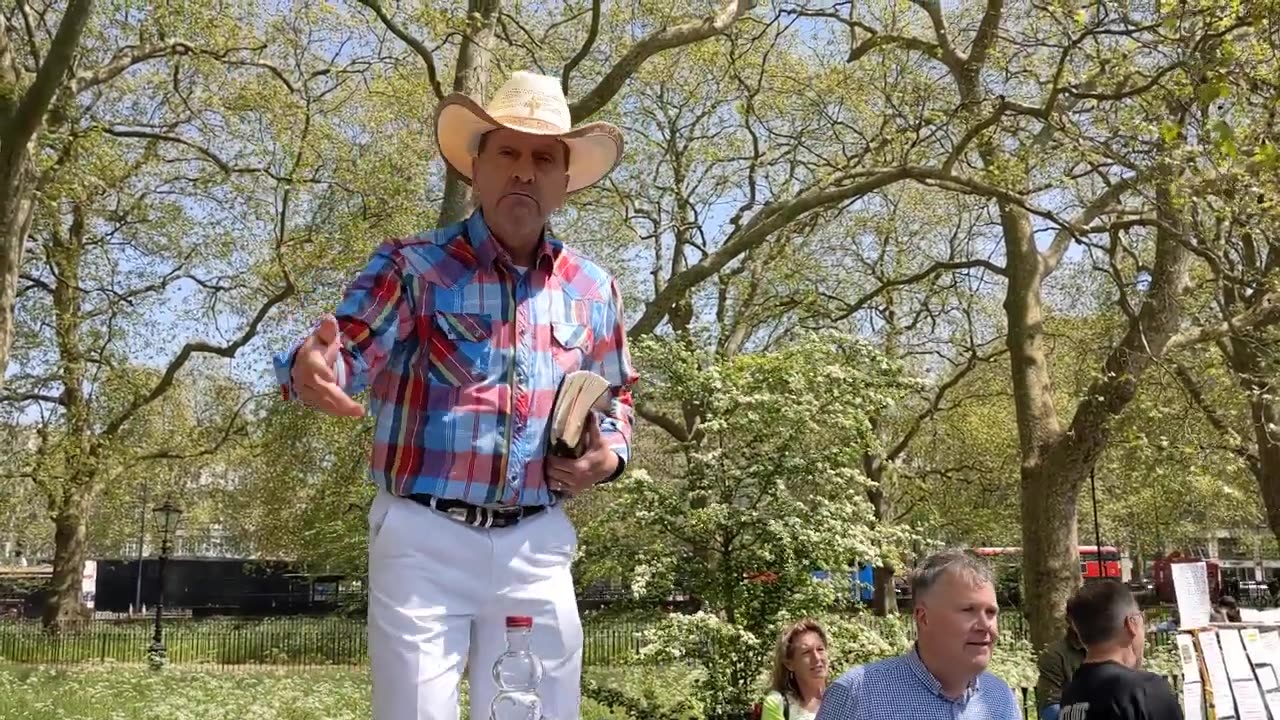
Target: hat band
<point>518,121</point>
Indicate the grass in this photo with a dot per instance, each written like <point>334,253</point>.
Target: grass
<point>113,692</point>
<point>105,692</point>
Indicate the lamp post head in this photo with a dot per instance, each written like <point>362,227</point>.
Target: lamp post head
<point>167,516</point>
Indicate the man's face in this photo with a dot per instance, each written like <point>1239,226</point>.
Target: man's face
<point>519,179</point>
<point>957,625</point>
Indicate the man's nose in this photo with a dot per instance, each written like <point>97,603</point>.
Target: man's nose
<point>522,169</point>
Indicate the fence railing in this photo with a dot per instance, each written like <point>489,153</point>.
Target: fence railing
<point>291,641</point>
<point>294,642</point>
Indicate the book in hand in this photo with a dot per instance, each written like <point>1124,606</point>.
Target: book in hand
<point>580,392</point>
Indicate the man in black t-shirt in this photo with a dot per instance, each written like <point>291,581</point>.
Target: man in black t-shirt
<point>1109,685</point>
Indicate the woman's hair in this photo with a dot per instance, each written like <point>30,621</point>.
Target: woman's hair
<point>781,680</point>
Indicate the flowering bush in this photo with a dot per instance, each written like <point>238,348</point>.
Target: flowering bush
<point>766,488</point>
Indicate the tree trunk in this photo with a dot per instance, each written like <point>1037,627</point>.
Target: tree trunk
<point>884,597</point>
<point>1049,562</point>
<point>471,76</point>
<point>64,608</point>
<point>1253,375</point>
<point>65,253</point>
<point>16,212</point>
<point>22,115</point>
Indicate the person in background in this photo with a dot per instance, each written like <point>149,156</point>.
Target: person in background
<point>944,677</point>
<point>1058,662</point>
<point>799,675</point>
<point>1110,685</point>
<point>1228,609</point>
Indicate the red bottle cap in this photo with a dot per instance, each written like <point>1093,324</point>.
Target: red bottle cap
<point>519,621</point>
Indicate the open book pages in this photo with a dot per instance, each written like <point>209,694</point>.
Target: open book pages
<point>579,393</point>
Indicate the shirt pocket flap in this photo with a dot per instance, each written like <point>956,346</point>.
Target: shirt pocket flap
<point>570,335</point>
<point>464,327</point>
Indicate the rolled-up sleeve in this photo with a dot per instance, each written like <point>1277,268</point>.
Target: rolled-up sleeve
<point>613,362</point>
<point>375,313</point>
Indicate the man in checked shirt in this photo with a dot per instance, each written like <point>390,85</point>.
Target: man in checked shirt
<point>944,676</point>
<point>462,335</point>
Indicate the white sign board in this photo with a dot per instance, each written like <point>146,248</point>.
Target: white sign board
<point>89,583</point>
<point>1191,585</point>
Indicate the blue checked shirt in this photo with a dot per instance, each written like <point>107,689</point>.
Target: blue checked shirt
<point>902,688</point>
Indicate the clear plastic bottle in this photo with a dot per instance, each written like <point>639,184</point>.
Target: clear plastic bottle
<point>517,674</point>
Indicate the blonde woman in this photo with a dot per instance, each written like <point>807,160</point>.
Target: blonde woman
<point>799,674</point>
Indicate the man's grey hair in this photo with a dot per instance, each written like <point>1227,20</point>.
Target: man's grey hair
<point>933,568</point>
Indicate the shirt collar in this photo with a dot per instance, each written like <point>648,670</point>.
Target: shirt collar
<point>931,683</point>
<point>489,252</point>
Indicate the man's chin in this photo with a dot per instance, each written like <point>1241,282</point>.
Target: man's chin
<point>979,655</point>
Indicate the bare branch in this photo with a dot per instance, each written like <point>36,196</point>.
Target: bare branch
<point>672,426</point>
<point>652,44</point>
<point>32,45</point>
<point>413,43</point>
<point>777,215</point>
<point>123,60</point>
<point>1099,205</point>
<point>592,33</point>
<point>32,397</point>
<point>192,348</point>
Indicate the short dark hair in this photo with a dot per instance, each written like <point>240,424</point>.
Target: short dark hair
<point>484,140</point>
<point>1098,611</point>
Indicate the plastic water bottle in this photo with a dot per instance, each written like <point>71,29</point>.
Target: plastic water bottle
<point>517,674</point>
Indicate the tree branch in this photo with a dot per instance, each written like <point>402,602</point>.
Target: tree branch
<point>171,454</point>
<point>123,60</point>
<point>1099,205</point>
<point>935,402</point>
<point>192,348</point>
<point>1265,311</point>
<point>652,44</point>
<point>414,44</point>
<point>777,215</point>
<point>674,427</point>
<point>35,102</point>
<point>592,33</point>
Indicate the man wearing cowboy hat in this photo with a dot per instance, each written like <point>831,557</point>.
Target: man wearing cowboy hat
<point>462,335</point>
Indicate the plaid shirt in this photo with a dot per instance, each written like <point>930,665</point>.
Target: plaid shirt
<point>902,687</point>
<point>462,355</point>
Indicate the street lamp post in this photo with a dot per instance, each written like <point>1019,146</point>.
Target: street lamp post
<point>167,517</point>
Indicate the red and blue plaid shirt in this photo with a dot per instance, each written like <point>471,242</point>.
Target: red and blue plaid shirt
<point>462,354</point>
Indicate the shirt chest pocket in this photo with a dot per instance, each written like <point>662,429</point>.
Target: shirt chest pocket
<point>571,335</point>
<point>459,348</point>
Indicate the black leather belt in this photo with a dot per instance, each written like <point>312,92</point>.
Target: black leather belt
<point>476,515</point>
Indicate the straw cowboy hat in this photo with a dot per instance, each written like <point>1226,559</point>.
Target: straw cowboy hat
<point>529,103</point>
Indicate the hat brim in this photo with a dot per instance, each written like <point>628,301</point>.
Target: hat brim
<point>594,149</point>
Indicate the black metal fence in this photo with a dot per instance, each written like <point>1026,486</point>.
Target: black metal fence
<point>290,642</point>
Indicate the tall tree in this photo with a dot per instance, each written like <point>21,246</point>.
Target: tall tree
<point>169,203</point>
<point>1056,108</point>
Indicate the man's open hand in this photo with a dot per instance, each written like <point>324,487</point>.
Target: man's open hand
<point>571,476</point>
<point>313,377</point>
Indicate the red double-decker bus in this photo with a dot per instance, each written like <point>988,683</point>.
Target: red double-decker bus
<point>1092,567</point>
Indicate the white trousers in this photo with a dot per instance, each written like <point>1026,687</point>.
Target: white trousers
<point>439,594</point>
